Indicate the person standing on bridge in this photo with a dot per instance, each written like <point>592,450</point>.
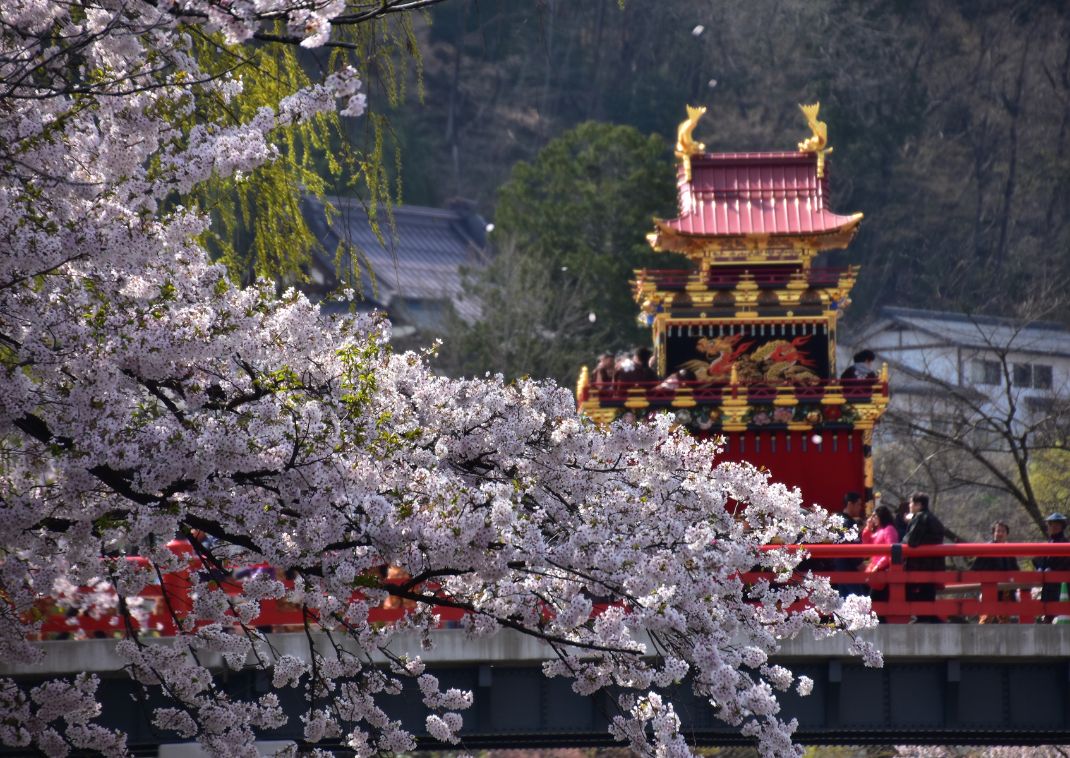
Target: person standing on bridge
<point>880,530</point>
<point>924,529</point>
<point>851,518</point>
<point>1056,526</point>
<point>1000,533</point>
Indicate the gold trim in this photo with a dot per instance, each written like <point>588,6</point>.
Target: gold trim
<point>868,415</point>
<point>833,372</point>
<point>785,396</point>
<point>581,385</point>
<point>867,464</point>
<point>744,294</point>
<point>752,248</point>
<point>833,397</point>
<point>824,318</point>
<point>734,408</point>
<point>684,399</point>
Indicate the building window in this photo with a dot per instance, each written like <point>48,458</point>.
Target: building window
<point>986,372</point>
<point>1036,375</point>
<point>1042,376</point>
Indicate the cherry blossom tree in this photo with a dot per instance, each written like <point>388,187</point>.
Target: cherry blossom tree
<point>145,396</point>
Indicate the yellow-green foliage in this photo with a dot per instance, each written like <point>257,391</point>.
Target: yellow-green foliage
<point>1050,474</point>
<point>258,229</point>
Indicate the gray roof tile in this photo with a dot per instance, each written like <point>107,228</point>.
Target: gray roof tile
<point>419,259</point>
<point>978,331</point>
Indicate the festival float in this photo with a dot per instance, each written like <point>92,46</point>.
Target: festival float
<point>744,329</point>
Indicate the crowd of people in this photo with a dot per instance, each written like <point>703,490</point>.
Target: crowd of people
<point>640,365</point>
<point>636,366</point>
<point>913,524</point>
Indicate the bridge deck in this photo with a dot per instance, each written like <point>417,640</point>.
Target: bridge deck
<point>942,683</point>
<point>913,642</point>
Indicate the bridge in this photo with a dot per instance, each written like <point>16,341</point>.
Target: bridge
<point>941,683</point>
<point>949,683</point>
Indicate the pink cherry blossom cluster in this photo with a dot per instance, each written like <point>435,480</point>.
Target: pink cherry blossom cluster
<point>28,718</point>
<point>147,396</point>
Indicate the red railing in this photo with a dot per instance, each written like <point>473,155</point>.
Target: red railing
<point>166,605</point>
<point>658,393</point>
<point>960,595</point>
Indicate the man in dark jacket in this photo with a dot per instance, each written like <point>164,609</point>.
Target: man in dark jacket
<point>1056,526</point>
<point>924,529</point>
<point>862,368</point>
<point>1000,533</point>
<point>851,518</point>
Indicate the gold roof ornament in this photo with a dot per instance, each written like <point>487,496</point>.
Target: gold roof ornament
<point>685,145</point>
<point>816,143</point>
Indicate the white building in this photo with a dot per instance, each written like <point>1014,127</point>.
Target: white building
<point>945,365</point>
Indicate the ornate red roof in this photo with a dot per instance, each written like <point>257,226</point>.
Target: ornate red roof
<point>742,194</point>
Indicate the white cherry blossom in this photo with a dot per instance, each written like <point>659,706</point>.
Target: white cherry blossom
<point>146,396</point>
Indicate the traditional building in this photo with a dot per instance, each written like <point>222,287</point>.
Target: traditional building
<point>744,333</point>
<point>413,269</point>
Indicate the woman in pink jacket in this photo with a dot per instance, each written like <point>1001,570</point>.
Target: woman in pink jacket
<point>880,530</point>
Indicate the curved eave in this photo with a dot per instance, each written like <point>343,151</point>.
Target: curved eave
<point>668,237</point>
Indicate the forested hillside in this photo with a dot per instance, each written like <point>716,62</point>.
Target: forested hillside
<point>949,119</point>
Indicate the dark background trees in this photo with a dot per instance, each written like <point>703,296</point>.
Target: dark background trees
<point>950,119</point>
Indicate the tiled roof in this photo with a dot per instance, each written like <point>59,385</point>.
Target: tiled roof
<point>981,332</point>
<point>421,262</point>
<point>734,194</point>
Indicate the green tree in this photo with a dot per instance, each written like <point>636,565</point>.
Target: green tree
<point>575,221</point>
<point>1051,478</point>
<point>583,208</point>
